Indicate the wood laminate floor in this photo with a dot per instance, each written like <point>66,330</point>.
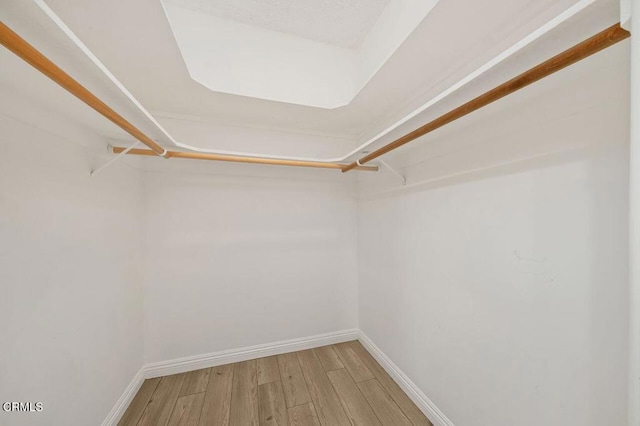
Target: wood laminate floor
<point>329,386</point>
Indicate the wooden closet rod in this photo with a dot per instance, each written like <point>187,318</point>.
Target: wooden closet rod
<point>33,57</point>
<point>16,44</point>
<point>602,40</point>
<point>240,159</point>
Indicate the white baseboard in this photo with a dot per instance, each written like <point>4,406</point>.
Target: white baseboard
<point>125,399</point>
<point>425,405</point>
<point>181,365</point>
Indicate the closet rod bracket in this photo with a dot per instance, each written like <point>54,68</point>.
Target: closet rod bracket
<point>114,159</point>
<point>394,171</point>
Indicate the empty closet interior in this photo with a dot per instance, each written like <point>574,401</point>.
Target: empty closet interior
<point>300,212</point>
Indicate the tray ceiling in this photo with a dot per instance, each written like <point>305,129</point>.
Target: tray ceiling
<point>337,22</point>
<point>306,52</point>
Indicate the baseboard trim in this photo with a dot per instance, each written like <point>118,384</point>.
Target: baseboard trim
<point>425,405</point>
<point>213,359</point>
<point>125,399</point>
<point>181,365</point>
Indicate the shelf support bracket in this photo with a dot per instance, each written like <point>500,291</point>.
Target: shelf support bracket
<point>402,177</point>
<point>114,159</point>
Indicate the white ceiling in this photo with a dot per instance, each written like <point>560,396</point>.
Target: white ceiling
<point>343,23</point>
<point>258,61</point>
<point>141,51</point>
<point>135,42</point>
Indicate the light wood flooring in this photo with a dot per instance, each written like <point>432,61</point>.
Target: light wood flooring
<point>333,385</point>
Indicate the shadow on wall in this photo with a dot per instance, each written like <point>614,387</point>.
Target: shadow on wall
<point>514,276</point>
<point>568,117</point>
<point>502,266</point>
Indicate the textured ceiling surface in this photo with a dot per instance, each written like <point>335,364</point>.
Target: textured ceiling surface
<point>343,23</point>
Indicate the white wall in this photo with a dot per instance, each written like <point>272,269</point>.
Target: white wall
<point>502,292</point>
<point>236,261</point>
<point>626,7</point>
<point>70,277</point>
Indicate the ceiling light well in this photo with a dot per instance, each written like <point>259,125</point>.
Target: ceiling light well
<point>315,57</point>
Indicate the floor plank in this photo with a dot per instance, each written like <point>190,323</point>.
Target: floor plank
<point>353,363</point>
<point>383,405</point>
<point>268,370</point>
<point>293,384</point>
<point>272,408</point>
<point>358,409</point>
<point>132,416</point>
<point>303,415</point>
<point>244,395</point>
<point>162,401</point>
<point>187,410</point>
<point>300,389</point>
<point>328,358</point>
<point>407,406</point>
<point>328,406</point>
<point>195,382</point>
<point>217,399</point>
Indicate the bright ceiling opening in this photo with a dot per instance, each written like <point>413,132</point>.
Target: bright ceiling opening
<point>304,52</point>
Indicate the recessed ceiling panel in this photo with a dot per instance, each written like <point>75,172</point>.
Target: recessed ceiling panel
<point>306,52</point>
<point>343,23</point>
